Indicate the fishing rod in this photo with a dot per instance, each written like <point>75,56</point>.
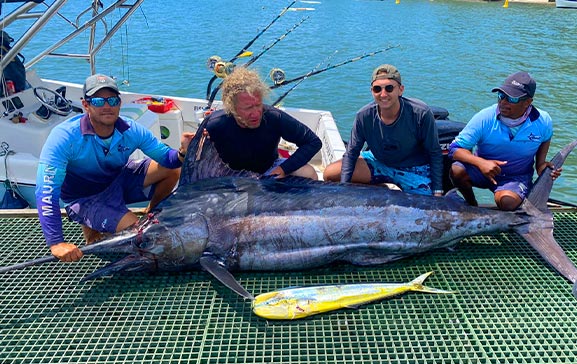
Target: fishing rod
<point>250,43</point>
<point>228,67</point>
<point>276,80</point>
<point>358,58</point>
<point>254,59</point>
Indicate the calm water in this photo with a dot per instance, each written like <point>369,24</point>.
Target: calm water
<point>450,53</point>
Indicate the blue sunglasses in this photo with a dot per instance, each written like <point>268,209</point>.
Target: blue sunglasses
<point>511,100</point>
<point>99,101</point>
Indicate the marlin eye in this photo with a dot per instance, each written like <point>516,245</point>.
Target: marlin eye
<point>144,244</point>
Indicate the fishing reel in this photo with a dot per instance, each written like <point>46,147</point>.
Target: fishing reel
<point>211,62</point>
<point>223,69</point>
<point>277,76</point>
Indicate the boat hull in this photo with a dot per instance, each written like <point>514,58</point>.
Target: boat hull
<point>566,4</point>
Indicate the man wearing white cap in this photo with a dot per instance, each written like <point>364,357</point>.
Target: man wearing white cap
<point>511,139</point>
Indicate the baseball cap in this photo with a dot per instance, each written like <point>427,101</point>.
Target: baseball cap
<point>386,71</point>
<point>518,85</point>
<point>5,39</point>
<point>98,82</point>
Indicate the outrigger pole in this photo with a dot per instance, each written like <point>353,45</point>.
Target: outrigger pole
<point>245,48</point>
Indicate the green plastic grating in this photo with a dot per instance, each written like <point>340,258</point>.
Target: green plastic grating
<point>510,308</point>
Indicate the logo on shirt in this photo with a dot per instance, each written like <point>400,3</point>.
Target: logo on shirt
<point>122,148</point>
<point>532,137</point>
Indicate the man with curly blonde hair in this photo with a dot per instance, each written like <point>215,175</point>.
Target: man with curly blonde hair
<point>247,132</point>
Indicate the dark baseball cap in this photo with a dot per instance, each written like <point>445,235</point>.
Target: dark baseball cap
<point>518,85</point>
<point>98,82</point>
<point>386,71</point>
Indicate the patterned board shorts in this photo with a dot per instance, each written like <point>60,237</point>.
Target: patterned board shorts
<point>415,179</point>
<point>103,211</point>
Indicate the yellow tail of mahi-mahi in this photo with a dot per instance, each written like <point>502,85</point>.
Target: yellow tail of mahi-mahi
<point>301,302</point>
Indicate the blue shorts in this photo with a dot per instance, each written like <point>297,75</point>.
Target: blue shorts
<point>518,184</point>
<point>103,211</point>
<point>415,179</point>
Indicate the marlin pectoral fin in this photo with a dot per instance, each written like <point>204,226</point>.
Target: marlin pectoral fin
<point>219,272</point>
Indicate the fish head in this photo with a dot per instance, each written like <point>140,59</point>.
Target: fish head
<point>277,306</point>
<point>153,245</point>
<point>173,246</point>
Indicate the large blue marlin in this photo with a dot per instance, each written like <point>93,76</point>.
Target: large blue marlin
<point>222,220</point>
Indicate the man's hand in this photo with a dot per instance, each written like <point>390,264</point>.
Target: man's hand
<point>66,252</point>
<point>185,139</point>
<point>278,172</point>
<point>491,169</point>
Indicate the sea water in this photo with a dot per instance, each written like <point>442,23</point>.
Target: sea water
<point>450,53</point>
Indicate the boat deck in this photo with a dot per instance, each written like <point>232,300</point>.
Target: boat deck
<point>509,307</point>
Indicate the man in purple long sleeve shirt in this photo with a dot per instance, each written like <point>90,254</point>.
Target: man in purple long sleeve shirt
<point>85,162</point>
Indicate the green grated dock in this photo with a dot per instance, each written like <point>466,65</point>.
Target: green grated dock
<point>509,308</point>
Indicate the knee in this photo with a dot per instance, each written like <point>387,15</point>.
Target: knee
<point>170,176</point>
<point>332,172</point>
<point>458,175</point>
<point>307,171</point>
<point>508,201</point>
<point>174,174</point>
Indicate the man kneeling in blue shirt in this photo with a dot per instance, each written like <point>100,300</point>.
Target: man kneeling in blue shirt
<point>511,138</point>
<point>85,162</point>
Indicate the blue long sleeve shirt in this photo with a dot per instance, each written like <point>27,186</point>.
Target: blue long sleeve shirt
<point>75,163</point>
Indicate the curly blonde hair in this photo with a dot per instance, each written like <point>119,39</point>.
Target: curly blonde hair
<point>241,80</point>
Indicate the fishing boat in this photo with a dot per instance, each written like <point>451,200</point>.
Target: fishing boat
<point>566,4</point>
<point>31,108</point>
<point>29,114</point>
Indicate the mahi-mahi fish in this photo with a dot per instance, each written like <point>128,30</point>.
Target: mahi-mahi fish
<point>222,220</point>
<point>300,302</point>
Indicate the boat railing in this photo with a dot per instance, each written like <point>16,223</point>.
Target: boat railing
<point>31,10</point>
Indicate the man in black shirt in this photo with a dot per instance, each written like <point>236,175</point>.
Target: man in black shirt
<point>246,133</point>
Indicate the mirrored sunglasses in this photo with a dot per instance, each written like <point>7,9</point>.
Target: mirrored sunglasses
<point>511,100</point>
<point>99,101</point>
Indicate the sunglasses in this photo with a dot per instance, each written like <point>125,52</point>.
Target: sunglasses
<point>378,89</point>
<point>511,100</point>
<point>99,101</point>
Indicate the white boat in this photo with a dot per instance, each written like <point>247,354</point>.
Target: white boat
<point>25,122</point>
<point>566,4</point>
